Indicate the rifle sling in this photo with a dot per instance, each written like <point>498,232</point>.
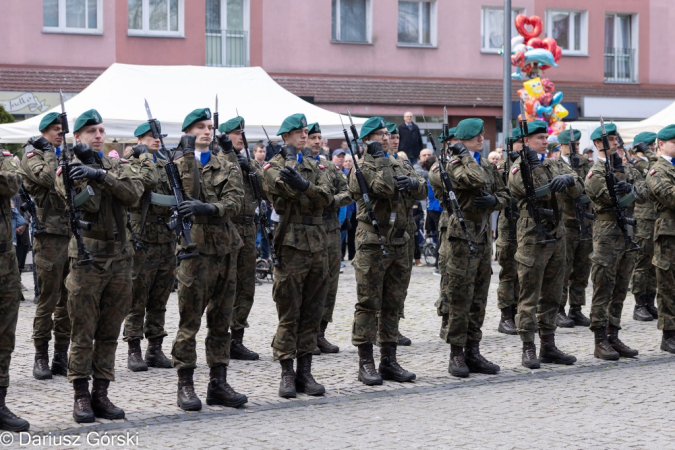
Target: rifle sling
<point>145,205</point>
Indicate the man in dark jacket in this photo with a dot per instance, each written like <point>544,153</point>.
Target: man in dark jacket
<point>411,138</point>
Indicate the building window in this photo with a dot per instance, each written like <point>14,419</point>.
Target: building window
<point>417,23</point>
<point>570,31</point>
<point>621,48</point>
<point>156,18</point>
<point>227,36</point>
<point>72,16</point>
<point>492,28</point>
<point>351,21</point>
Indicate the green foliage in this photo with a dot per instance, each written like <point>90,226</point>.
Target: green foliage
<point>6,117</point>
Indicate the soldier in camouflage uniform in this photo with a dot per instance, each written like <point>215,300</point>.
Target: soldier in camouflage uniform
<point>207,282</point>
<point>612,265</point>
<point>99,293</point>
<point>480,191</point>
<point>155,262</point>
<point>381,281</point>
<point>10,279</point>
<point>661,183</point>
<point>644,275</point>
<point>50,249</point>
<point>300,190</point>
<point>541,267</point>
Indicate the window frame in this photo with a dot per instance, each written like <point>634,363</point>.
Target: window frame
<point>223,37</point>
<point>369,26</point>
<point>145,31</point>
<point>495,51</point>
<point>433,26</point>
<point>634,40</point>
<point>63,29</point>
<point>583,45</point>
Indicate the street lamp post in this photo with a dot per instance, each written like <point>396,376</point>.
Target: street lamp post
<point>506,114</point>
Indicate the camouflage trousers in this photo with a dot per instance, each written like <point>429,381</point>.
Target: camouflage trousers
<point>205,283</point>
<point>50,253</point>
<point>334,261</point>
<point>644,274</point>
<point>541,270</point>
<point>152,284</point>
<point>508,288</point>
<point>466,284</point>
<point>300,285</point>
<point>10,297</point>
<point>610,273</point>
<point>246,259</point>
<point>442,302</point>
<point>99,296</point>
<point>664,260</point>
<point>578,266</point>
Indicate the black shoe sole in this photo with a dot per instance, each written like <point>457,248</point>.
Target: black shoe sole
<point>405,343</point>
<point>556,361</point>
<point>607,358</point>
<point>138,369</point>
<point>196,407</point>
<point>288,395</point>
<point>568,325</point>
<point>665,349</point>
<point>165,364</point>
<point>329,350</point>
<point>302,390</point>
<point>371,383</point>
<point>510,333</point>
<point>388,377</point>
<point>84,419</point>
<point>582,324</point>
<point>43,377</point>
<point>214,401</point>
<point>110,416</point>
<point>483,371</point>
<point>245,357</point>
<point>532,366</point>
<point>59,372</point>
<point>159,366</point>
<point>642,319</point>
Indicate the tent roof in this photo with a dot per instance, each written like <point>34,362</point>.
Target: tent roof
<point>654,123</point>
<point>173,91</point>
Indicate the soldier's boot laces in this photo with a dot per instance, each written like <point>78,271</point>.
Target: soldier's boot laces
<point>220,392</point>
<point>506,324</point>
<point>603,349</point>
<point>368,375</point>
<point>304,380</point>
<point>322,343</point>
<point>404,341</point>
<point>238,350</point>
<point>8,420</point>
<point>82,412</point>
<point>668,341</point>
<point>187,398</point>
<point>444,326</point>
<point>60,360</point>
<point>101,404</point>
<point>477,362</point>
<point>621,348</point>
<point>550,354</point>
<point>41,370</point>
<point>578,317</point>
<point>154,356</point>
<point>649,304</point>
<point>287,384</point>
<point>457,366</point>
<point>389,368</point>
<point>135,361</point>
<point>561,319</point>
<point>529,358</point>
<point>641,313</point>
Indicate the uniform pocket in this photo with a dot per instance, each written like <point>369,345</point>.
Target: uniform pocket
<point>43,264</point>
<point>71,285</point>
<point>183,278</point>
<point>525,255</point>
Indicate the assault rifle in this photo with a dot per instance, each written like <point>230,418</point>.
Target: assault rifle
<point>214,142</point>
<point>580,212</point>
<point>138,244</point>
<point>511,214</point>
<point>28,205</point>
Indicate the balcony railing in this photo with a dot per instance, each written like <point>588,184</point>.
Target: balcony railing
<point>620,65</point>
<point>227,48</point>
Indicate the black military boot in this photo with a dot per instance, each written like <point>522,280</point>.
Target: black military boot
<point>41,369</point>
<point>220,392</point>
<point>529,358</point>
<point>287,385</point>
<point>238,350</point>
<point>444,326</point>
<point>187,398</point>
<point>650,297</point>
<point>477,362</point>
<point>367,373</point>
<point>578,317</point>
<point>603,350</point>
<point>404,341</point>
<point>389,368</point>
<point>82,412</point>
<point>561,319</point>
<point>101,404</point>
<point>154,356</point>
<point>60,360</point>
<point>550,354</point>
<point>322,343</point>
<point>641,313</point>
<point>621,348</point>
<point>457,366</point>
<point>304,381</point>
<point>316,351</point>
<point>8,420</point>
<point>506,324</point>
<point>135,361</point>
<point>668,341</point>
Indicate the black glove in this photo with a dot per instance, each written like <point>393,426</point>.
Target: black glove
<point>79,171</point>
<point>617,163</point>
<point>225,143</point>
<point>375,150</point>
<point>84,153</point>
<point>406,183</point>
<point>292,178</point>
<point>139,150</point>
<point>533,158</point>
<point>187,143</point>
<point>623,187</point>
<point>307,153</point>
<point>243,163</point>
<point>459,149</point>
<point>561,182</point>
<point>485,201</point>
<point>41,143</point>
<point>639,147</point>
<point>514,156</point>
<point>575,160</point>
<point>196,208</point>
<point>289,152</point>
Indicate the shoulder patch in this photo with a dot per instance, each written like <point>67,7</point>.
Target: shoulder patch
<point>30,155</point>
<point>652,172</point>
<point>499,167</point>
<point>59,170</point>
<point>590,159</point>
<point>321,166</point>
<point>434,169</point>
<point>267,166</point>
<point>455,161</point>
<point>515,170</point>
<point>590,173</point>
<point>124,160</point>
<point>6,153</point>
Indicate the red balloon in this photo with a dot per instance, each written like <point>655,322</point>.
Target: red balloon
<point>536,43</point>
<point>557,54</point>
<point>550,44</point>
<point>534,21</point>
<point>548,85</point>
<point>518,59</point>
<point>545,99</point>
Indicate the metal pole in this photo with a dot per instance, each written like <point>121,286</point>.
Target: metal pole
<point>506,114</point>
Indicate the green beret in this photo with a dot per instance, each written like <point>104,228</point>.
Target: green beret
<point>648,137</point>
<point>48,120</point>
<point>236,123</point>
<point>536,127</point>
<point>451,134</point>
<point>372,124</point>
<point>292,122</point>
<point>667,133</point>
<point>196,116</point>
<point>469,129</point>
<point>313,128</point>
<point>515,133</point>
<point>597,133</point>
<point>91,117</point>
<point>144,128</point>
<point>392,128</point>
<point>564,136</point>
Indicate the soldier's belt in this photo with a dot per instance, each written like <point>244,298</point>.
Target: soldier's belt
<point>526,214</point>
<point>304,220</point>
<point>6,246</point>
<point>667,215</point>
<point>162,200</point>
<point>99,235</point>
<point>605,216</point>
<point>397,234</point>
<point>209,220</point>
<point>474,217</point>
<point>330,215</point>
<point>246,220</point>
<point>150,218</point>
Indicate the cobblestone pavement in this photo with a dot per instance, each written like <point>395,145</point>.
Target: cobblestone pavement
<point>634,390</point>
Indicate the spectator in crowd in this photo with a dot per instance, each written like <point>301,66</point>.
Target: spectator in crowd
<point>411,138</point>
<point>114,154</point>
<point>20,235</point>
<point>588,152</point>
<point>272,149</point>
<point>348,164</point>
<point>325,149</point>
<point>434,208</point>
<point>259,153</point>
<point>424,155</point>
<point>494,157</point>
<point>418,217</point>
<point>344,145</point>
<point>500,150</point>
<point>402,155</point>
<point>339,158</point>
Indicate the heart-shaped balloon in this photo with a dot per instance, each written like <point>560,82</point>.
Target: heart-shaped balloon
<point>533,21</point>
<point>536,43</point>
<point>557,54</point>
<point>550,44</point>
<point>517,59</point>
<point>544,111</point>
<point>545,99</point>
<point>549,86</point>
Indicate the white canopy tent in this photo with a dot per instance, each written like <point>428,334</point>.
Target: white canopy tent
<point>173,91</point>
<point>654,123</point>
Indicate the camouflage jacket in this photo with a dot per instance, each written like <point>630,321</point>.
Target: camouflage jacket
<point>409,200</point>
<point>245,218</point>
<point>10,182</point>
<point>645,210</point>
<point>661,183</point>
<point>338,182</point>
<point>585,164</point>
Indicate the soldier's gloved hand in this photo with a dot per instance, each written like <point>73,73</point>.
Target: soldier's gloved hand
<point>41,143</point>
<point>225,143</point>
<point>139,150</point>
<point>79,171</point>
<point>406,183</point>
<point>575,160</point>
<point>561,182</point>
<point>514,156</point>
<point>639,147</point>
<point>84,153</point>
<point>196,208</point>
<point>533,158</point>
<point>623,187</point>
<point>459,149</point>
<point>376,150</point>
<point>617,163</point>
<point>187,143</point>
<point>289,152</point>
<point>243,163</point>
<point>292,178</point>
<point>485,201</point>
<point>307,153</point>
